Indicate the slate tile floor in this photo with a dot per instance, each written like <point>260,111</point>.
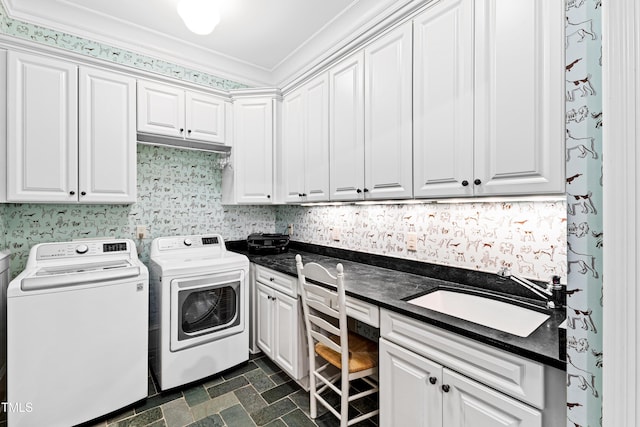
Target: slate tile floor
<point>257,393</point>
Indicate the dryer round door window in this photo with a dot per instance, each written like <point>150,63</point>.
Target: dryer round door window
<point>204,309</point>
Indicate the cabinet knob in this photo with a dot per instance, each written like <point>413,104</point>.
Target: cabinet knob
<point>72,193</point>
<point>181,130</point>
<point>366,190</point>
<point>358,190</point>
<point>268,196</point>
<point>300,194</point>
<point>433,380</point>
<point>304,194</point>
<point>83,193</point>
<point>189,131</point>
<point>465,183</point>
<point>477,181</point>
<point>445,388</point>
<point>271,279</point>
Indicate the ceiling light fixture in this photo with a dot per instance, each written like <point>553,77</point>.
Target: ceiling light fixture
<point>200,16</point>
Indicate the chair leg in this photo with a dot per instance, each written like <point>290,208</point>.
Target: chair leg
<point>313,405</point>
<point>344,399</point>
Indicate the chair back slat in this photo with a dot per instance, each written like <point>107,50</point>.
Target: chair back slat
<point>317,305</point>
<point>326,341</point>
<point>323,324</point>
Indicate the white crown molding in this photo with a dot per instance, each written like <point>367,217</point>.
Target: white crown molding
<point>300,69</point>
<point>124,35</point>
<point>621,335</point>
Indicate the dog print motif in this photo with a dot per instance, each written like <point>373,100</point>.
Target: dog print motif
<point>586,380</point>
<point>584,262</point>
<point>583,201</point>
<point>583,85</point>
<point>582,29</point>
<point>577,116</point>
<point>583,145</point>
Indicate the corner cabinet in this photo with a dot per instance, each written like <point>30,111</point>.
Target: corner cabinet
<point>70,131</point>
<point>304,165</point>
<point>488,98</point>
<point>432,378</point>
<point>174,112</point>
<point>249,178</point>
<point>370,120</point>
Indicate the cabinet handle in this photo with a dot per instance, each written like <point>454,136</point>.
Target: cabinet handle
<point>433,380</point>
<point>465,183</point>
<point>72,193</point>
<point>477,181</point>
<point>445,388</point>
<point>83,193</point>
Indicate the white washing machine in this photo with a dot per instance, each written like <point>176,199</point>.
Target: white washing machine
<point>77,333</point>
<point>199,305</point>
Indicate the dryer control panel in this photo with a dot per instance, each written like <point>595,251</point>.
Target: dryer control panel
<point>213,241</point>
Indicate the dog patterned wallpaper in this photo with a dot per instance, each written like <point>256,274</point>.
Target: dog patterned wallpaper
<point>584,211</point>
<point>528,237</point>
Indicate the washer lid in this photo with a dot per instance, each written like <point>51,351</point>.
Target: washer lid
<point>198,263</point>
<point>78,274</point>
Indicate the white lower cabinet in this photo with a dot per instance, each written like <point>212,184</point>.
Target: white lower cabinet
<point>432,378</point>
<point>280,325</point>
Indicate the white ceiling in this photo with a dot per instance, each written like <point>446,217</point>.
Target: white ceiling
<point>259,42</point>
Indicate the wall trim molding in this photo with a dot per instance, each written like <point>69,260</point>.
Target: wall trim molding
<point>621,336</point>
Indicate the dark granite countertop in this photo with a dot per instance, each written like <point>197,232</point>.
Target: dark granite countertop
<point>369,278</point>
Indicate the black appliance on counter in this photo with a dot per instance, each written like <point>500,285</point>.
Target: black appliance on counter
<point>268,242</point>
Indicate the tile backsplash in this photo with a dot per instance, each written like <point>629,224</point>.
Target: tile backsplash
<point>528,237</point>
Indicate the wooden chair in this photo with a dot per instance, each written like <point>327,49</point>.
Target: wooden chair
<point>354,356</point>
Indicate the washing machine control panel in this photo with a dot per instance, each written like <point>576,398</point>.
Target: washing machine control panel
<point>76,249</point>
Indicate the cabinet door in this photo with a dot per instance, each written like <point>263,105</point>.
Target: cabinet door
<point>107,147</point>
<point>42,129</point>
<point>470,404</point>
<point>407,395</point>
<point>388,115</point>
<point>205,117</point>
<point>286,323</point>
<point>519,101</point>
<point>293,147</point>
<point>317,139</point>
<point>443,100</point>
<point>253,150</point>
<point>264,315</point>
<point>160,109</point>
<point>346,128</point>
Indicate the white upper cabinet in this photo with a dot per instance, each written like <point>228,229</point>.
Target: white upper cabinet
<point>70,140</point>
<point>488,106</point>
<point>42,129</point>
<point>249,179</point>
<point>443,100</point>
<point>519,104</point>
<point>107,133</point>
<point>304,168</point>
<point>171,111</point>
<point>370,121</point>
<point>346,128</point>
<point>387,119</point>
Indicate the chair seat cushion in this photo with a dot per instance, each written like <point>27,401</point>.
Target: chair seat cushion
<point>363,353</point>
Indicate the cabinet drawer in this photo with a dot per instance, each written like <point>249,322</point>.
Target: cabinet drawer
<point>363,311</point>
<point>506,372</point>
<point>279,281</point>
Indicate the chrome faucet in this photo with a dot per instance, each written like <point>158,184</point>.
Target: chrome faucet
<point>552,293</point>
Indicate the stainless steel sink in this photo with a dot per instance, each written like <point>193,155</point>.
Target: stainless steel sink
<point>500,315</point>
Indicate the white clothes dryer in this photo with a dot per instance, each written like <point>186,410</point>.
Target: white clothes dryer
<point>199,305</point>
<point>77,330</point>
